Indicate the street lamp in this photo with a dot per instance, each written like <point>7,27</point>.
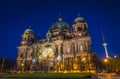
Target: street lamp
<point>22,65</point>
<point>106,60</point>
<point>115,56</point>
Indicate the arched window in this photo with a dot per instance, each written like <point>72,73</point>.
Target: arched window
<point>79,28</point>
<point>21,55</point>
<point>31,54</point>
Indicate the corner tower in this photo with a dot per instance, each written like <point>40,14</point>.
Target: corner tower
<point>28,37</point>
<point>80,27</point>
<point>81,35</point>
<point>25,50</point>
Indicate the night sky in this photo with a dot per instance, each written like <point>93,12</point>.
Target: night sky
<point>18,15</point>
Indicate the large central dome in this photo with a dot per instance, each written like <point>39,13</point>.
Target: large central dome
<point>60,24</point>
<point>60,30</point>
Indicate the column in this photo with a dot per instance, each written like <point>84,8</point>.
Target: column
<point>75,48</point>
<point>59,45</point>
<point>59,50</point>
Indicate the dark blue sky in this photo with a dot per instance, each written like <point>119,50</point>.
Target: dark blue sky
<point>18,15</point>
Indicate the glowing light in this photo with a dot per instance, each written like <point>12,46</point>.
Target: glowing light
<point>75,66</point>
<point>48,53</point>
<point>105,60</point>
<point>83,59</point>
<point>22,65</point>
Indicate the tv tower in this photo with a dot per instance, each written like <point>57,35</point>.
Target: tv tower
<point>105,45</point>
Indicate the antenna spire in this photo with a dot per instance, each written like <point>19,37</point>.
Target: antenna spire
<point>103,38</point>
<point>105,44</point>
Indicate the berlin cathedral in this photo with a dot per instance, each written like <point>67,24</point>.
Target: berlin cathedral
<point>65,49</point>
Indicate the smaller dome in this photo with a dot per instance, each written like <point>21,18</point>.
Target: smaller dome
<point>79,18</point>
<point>28,31</point>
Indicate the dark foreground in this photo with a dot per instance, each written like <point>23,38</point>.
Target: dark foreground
<point>46,76</point>
<point>109,76</point>
<point>58,76</point>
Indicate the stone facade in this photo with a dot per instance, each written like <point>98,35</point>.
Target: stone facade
<point>63,50</point>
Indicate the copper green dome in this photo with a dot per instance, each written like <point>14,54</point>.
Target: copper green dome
<point>59,24</point>
<point>79,18</point>
<point>28,31</point>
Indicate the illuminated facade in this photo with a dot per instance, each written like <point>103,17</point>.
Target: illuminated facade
<point>63,50</point>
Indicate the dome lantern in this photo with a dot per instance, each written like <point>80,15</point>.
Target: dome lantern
<point>59,19</point>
